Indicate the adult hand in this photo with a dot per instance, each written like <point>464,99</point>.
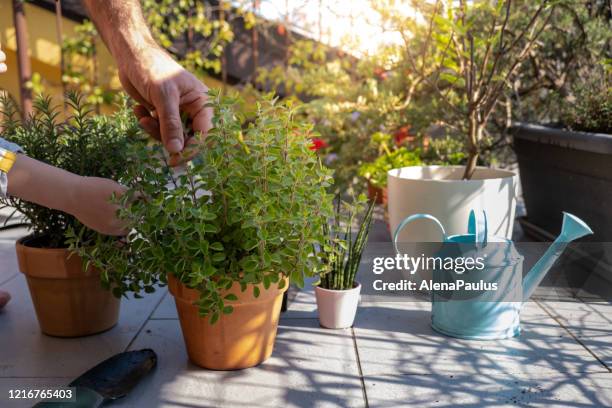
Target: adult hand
<point>164,90</point>
<point>148,73</point>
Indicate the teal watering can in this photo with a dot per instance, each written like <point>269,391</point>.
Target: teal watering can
<point>484,313</point>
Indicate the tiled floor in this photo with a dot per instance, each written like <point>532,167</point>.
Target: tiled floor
<point>391,358</point>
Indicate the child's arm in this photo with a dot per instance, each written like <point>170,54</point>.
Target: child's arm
<point>86,198</point>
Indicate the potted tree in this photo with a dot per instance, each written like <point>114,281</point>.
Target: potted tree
<point>68,300</point>
<point>337,292</point>
<point>226,234</point>
<point>471,52</point>
<point>569,166</point>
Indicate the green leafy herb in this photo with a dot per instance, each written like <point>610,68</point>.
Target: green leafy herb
<point>248,210</point>
<point>376,171</point>
<point>84,144</point>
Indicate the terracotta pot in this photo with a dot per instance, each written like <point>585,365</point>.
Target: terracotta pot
<point>374,191</point>
<point>241,339</point>
<point>337,308</point>
<point>69,302</point>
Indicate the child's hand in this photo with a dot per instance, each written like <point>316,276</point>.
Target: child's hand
<point>3,67</point>
<point>86,198</point>
<point>92,205</point>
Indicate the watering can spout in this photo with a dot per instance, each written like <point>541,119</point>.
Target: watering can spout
<point>572,229</point>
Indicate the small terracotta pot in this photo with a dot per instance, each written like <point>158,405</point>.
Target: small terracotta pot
<point>374,191</point>
<point>337,308</point>
<point>241,339</point>
<point>69,302</point>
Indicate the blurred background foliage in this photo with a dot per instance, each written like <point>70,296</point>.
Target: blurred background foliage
<point>377,102</point>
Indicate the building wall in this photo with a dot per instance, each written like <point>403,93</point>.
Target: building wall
<point>44,50</point>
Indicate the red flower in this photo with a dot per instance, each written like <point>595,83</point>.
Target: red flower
<point>380,73</point>
<point>402,134</point>
<point>317,144</point>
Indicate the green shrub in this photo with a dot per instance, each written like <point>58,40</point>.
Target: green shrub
<point>376,171</point>
<point>264,213</point>
<point>84,144</point>
<point>591,109</point>
<point>447,151</point>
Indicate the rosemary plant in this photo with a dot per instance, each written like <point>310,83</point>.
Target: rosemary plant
<point>83,143</point>
<point>342,252</point>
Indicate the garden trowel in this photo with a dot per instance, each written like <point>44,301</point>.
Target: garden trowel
<point>111,379</point>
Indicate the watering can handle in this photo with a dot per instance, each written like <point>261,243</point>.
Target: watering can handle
<point>477,225</point>
<point>415,217</point>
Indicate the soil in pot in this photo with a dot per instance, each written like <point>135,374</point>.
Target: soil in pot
<point>337,308</point>
<point>241,339</point>
<point>69,302</point>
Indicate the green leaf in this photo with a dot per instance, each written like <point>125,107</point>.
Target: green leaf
<point>216,246</point>
<point>218,257</point>
<point>214,318</point>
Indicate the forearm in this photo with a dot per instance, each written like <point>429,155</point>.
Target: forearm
<point>89,199</point>
<point>121,25</point>
<point>42,184</point>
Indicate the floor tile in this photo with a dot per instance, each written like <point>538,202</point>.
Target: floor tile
<point>310,367</point>
<point>166,308</point>
<point>505,390</point>
<point>26,352</point>
<point>590,322</point>
<point>302,302</point>
<point>397,338</point>
<point>8,258</point>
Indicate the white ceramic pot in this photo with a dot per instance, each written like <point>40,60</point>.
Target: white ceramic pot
<point>441,192</point>
<point>337,308</point>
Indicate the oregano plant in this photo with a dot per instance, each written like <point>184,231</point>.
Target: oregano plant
<point>249,210</point>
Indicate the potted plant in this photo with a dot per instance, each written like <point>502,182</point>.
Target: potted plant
<point>69,301</point>
<point>337,292</point>
<point>471,52</point>
<point>375,172</point>
<point>568,166</point>
<point>227,233</point>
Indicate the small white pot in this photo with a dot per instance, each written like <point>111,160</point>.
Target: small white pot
<point>441,192</point>
<point>337,308</point>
